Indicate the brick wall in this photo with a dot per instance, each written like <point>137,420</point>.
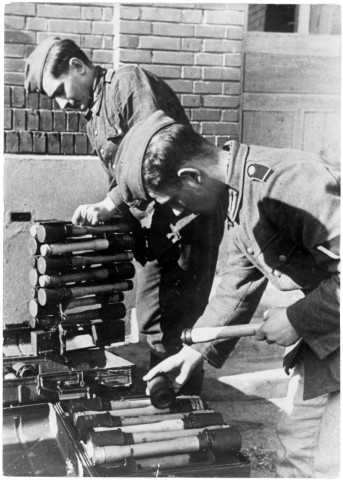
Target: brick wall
<point>197,49</point>
<point>33,123</point>
<point>256,17</point>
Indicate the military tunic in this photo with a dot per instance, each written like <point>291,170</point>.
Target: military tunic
<point>171,293</point>
<point>284,227</point>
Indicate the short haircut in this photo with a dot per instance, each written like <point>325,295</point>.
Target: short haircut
<point>168,150</point>
<point>57,62</point>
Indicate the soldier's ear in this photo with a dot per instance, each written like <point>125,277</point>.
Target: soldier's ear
<point>190,174</point>
<point>77,64</point>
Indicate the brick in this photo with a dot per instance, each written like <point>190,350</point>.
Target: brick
<point>53,142</point>
<point>28,49</point>
<point>80,144</point>
<point>221,101</point>
<point>14,78</point>
<point>50,10</point>
<point>157,43</point>
<point>160,14</point>
<point>220,141</point>
<point>67,143</point>
<point>225,46</point>
<point>14,65</point>
<point>207,31</point>
<point>44,102</point>
<point>46,120</point>
<point>32,100</point>
<point>191,16</point>
<point>32,119</point>
<point>234,33</point>
<point>59,121</point>
<point>182,58</point>
<point>129,41</point>
<point>90,149</point>
<point>220,128</point>
<point>91,41</point>
<point>173,30</point>
<point>233,59</point>
<point>20,8</point>
<point>138,28</point>
<point>206,114</point>
<point>13,50</point>
<point>66,26</point>
<point>192,73</point>
<point>102,28</point>
<point>107,14</point>
<point>7,96</point>
<point>181,86</point>
<point>164,71</point>
<point>39,24</point>
<point>25,142</point>
<point>208,87</point>
<point>224,17</point>
<point>108,42</point>
<point>230,116</point>
<point>211,139</point>
<point>102,56</point>
<point>215,59</point>
<point>43,35</point>
<point>72,121</point>
<point>82,123</point>
<point>91,13</point>
<point>135,56</point>
<point>128,12</point>
<point>14,36</point>
<point>7,119</point>
<point>221,73</point>
<point>196,127</point>
<point>232,88</point>
<point>191,100</point>
<point>15,22</point>
<point>11,142</point>
<point>39,142</point>
<point>191,44</point>
<point>18,119</point>
<point>18,97</point>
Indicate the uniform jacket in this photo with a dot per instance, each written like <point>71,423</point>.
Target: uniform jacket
<point>284,227</point>
<point>121,99</point>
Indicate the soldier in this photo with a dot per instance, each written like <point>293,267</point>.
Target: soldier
<point>284,227</point>
<point>173,279</point>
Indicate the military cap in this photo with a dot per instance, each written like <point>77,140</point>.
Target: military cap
<point>130,155</point>
<point>35,65</point>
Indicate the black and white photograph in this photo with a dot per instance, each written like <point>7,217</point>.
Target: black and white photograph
<point>171,239</point>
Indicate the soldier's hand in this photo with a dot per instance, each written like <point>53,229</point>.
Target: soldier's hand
<point>93,214</point>
<point>277,328</point>
<point>178,367</point>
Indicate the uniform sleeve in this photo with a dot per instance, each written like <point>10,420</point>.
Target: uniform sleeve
<point>305,205</point>
<point>234,302</point>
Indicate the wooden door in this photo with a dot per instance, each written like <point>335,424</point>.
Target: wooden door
<point>291,92</point>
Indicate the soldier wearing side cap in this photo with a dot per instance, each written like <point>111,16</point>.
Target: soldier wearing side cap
<point>283,227</point>
<point>179,265</point>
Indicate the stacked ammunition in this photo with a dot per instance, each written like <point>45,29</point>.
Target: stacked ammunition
<point>78,277</point>
<point>115,433</point>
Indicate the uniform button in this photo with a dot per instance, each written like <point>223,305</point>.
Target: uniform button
<point>96,132</point>
<point>250,251</point>
<point>251,170</point>
<point>102,151</point>
<point>282,258</point>
<point>276,273</point>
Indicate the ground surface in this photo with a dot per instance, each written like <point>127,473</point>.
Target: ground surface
<point>255,415</point>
